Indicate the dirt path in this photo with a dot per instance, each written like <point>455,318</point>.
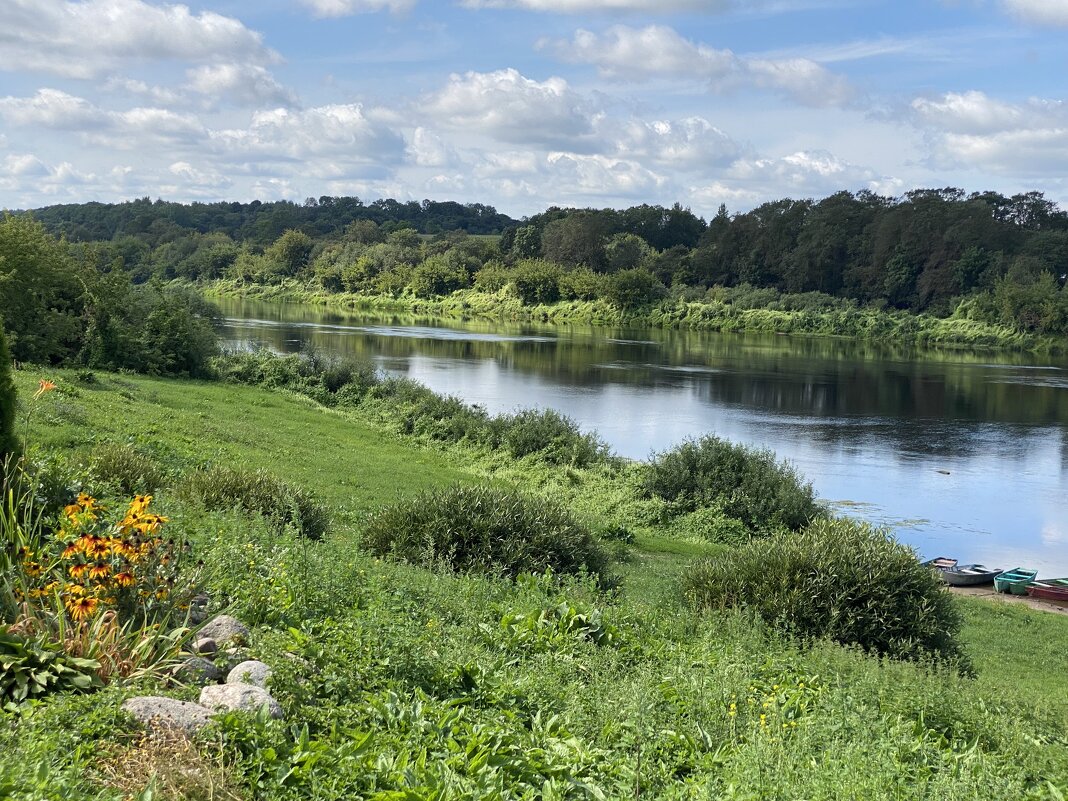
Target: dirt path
<point>988,593</point>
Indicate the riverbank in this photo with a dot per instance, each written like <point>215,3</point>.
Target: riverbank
<point>504,305</point>
<point>988,594</point>
<point>396,680</point>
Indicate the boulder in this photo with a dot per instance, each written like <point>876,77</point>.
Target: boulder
<point>239,698</point>
<point>205,646</point>
<point>197,670</point>
<point>198,609</point>
<point>156,712</point>
<point>251,671</point>
<point>225,630</point>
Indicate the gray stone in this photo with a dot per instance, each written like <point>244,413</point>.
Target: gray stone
<point>251,671</point>
<point>225,630</point>
<point>233,656</point>
<point>239,698</point>
<point>197,670</point>
<point>198,609</point>
<point>156,712</point>
<point>205,646</point>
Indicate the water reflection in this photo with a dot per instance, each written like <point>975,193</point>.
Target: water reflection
<point>964,453</point>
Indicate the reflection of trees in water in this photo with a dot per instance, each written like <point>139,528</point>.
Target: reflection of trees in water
<point>815,378</point>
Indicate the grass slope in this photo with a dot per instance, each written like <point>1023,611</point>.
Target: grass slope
<point>412,684</point>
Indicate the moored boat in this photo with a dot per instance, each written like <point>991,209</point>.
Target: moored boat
<point>1049,589</point>
<point>941,563</point>
<point>1014,581</point>
<point>969,575</point>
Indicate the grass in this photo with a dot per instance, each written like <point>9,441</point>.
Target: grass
<point>413,683</point>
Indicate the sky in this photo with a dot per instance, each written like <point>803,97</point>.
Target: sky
<point>525,104</point>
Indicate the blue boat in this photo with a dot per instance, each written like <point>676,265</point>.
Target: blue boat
<point>1014,581</point>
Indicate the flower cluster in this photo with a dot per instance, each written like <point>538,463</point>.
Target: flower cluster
<point>92,565</point>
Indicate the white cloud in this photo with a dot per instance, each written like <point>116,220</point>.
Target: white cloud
<point>692,143</point>
<point>1040,12</point>
<point>658,51</point>
<point>509,107</point>
<point>51,108</point>
<point>86,39</point>
<point>343,8</point>
<point>973,130</point>
<point>24,165</point>
<point>428,149</point>
<point>804,173</point>
<point>208,181</point>
<point>347,130</point>
<point>244,84</point>
<point>582,6</point>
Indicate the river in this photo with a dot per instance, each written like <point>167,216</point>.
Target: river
<point>962,454</point>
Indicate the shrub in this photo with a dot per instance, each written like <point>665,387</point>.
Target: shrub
<point>438,275</point>
<point>31,669</point>
<point>8,442</point>
<point>711,524</point>
<point>493,277</point>
<point>841,580</point>
<point>744,483</point>
<point>556,438</point>
<point>581,283</point>
<point>128,470</point>
<point>537,281</point>
<point>258,492</point>
<point>484,528</point>
<point>632,289</point>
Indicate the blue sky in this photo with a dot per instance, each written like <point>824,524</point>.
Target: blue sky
<point>523,104</point>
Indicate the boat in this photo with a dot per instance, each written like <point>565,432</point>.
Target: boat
<point>969,575</point>
<point>1049,589</point>
<point>1014,581</point>
<point>941,563</point>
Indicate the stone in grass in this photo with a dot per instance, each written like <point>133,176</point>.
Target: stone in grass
<point>197,670</point>
<point>225,630</point>
<point>251,671</point>
<point>155,713</point>
<point>239,698</point>
<point>205,646</point>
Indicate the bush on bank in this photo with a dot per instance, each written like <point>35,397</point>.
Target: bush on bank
<point>841,580</point>
<point>484,529</point>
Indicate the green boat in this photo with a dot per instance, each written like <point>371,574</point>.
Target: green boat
<point>1014,581</point>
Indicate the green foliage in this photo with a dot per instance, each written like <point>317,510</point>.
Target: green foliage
<point>841,580</point>
<point>9,443</point>
<point>438,275</point>
<point>288,255</point>
<point>711,524</point>
<point>484,528</point>
<point>582,283</point>
<point>259,492</point>
<point>126,469</point>
<point>554,437</point>
<point>558,629</point>
<point>632,289</point>
<point>31,669</point>
<point>743,483</point>
<point>537,281</point>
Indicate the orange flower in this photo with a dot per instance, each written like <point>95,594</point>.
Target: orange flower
<point>70,551</point>
<point>97,548</point>
<point>43,386</point>
<point>81,607</point>
<point>99,571</point>
<point>78,570</point>
<point>125,579</point>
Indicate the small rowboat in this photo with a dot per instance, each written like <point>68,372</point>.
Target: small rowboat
<point>941,563</point>
<point>969,575</point>
<point>1049,589</point>
<point>1014,581</point>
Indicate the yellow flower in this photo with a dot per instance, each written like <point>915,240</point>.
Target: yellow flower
<point>125,578</point>
<point>78,570</point>
<point>81,607</point>
<point>43,386</point>
<point>32,569</point>
<point>99,571</point>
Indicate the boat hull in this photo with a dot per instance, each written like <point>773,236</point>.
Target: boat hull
<point>969,575</point>
<point>1014,582</point>
<point>1052,590</point>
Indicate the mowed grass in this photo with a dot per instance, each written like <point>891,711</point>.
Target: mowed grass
<point>352,465</point>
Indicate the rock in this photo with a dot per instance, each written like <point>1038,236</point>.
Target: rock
<point>197,670</point>
<point>205,646</point>
<point>234,656</point>
<point>156,712</point>
<point>198,609</point>
<point>225,630</point>
<point>239,698</point>
<point>251,671</point>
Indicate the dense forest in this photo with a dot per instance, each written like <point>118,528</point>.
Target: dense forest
<point>981,257</point>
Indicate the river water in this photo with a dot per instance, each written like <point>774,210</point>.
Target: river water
<point>963,454</point>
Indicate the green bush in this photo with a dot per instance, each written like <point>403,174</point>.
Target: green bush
<point>744,483</point>
<point>438,275</point>
<point>128,470</point>
<point>8,441</point>
<point>537,281</point>
<point>556,438</point>
<point>711,524</point>
<point>841,580</point>
<point>632,289</point>
<point>259,492</point>
<point>484,528</point>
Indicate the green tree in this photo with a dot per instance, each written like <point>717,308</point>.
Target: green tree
<point>537,281</point>
<point>289,254</point>
<point>632,289</point>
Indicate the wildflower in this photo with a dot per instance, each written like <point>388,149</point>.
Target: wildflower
<point>43,386</point>
<point>125,578</point>
<point>97,547</point>
<point>70,551</point>
<point>763,720</point>
<point>99,571</point>
<point>81,607</point>
<point>78,570</point>
<point>32,569</point>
